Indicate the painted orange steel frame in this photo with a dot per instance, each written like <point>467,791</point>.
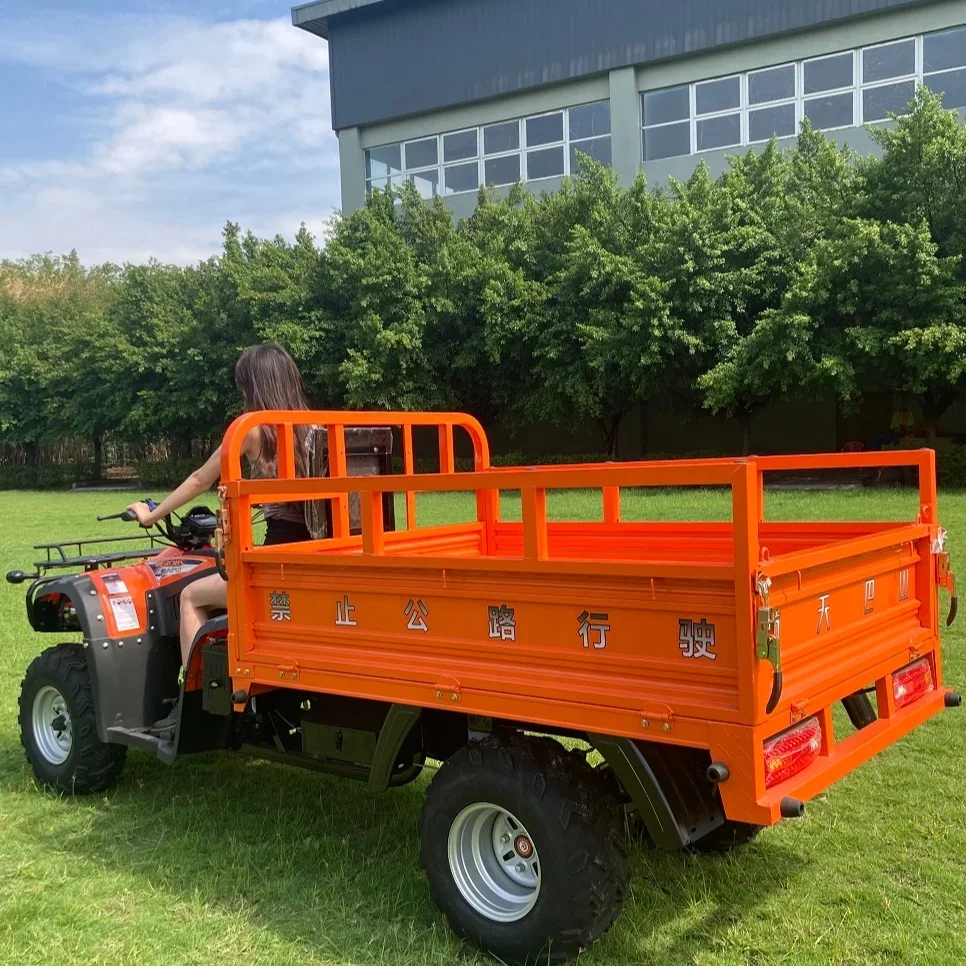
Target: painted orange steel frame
<point>739,743</point>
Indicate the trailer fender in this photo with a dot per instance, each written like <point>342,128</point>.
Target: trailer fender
<point>636,775</point>
<point>400,720</point>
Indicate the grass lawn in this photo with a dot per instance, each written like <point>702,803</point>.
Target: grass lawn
<point>221,859</point>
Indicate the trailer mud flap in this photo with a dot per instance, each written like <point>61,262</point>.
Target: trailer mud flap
<point>400,720</point>
<point>636,775</point>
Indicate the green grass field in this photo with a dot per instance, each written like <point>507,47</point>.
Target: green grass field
<point>220,859</point>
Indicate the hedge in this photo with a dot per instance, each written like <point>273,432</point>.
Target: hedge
<point>154,477</point>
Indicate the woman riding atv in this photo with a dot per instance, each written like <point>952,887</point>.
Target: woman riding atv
<point>268,378</point>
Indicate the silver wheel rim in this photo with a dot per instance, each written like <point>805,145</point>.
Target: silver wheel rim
<point>52,726</point>
<point>494,862</point>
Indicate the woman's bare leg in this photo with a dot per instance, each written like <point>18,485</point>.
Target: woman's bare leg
<point>196,598</point>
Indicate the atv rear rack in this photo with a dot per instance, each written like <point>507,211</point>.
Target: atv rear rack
<point>58,559</point>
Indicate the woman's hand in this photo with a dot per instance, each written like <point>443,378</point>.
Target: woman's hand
<point>146,516</point>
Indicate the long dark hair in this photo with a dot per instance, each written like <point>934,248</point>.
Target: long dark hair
<point>268,378</point>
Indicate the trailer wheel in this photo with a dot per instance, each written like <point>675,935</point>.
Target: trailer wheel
<point>58,725</point>
<point>523,846</point>
<point>725,837</point>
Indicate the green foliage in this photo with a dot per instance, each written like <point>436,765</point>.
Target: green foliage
<point>58,477</point>
<point>798,273</point>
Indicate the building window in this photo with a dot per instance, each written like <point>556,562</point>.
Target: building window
<point>548,162</point>
<point>527,149</point>
<point>384,166</point>
<point>502,163</point>
<point>944,65</point>
<point>888,79</point>
<point>667,122</point>
<point>828,86</point>
<point>772,108</point>
<point>589,127</point>
<point>835,91</point>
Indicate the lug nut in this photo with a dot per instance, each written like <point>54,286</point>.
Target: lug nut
<point>521,867</point>
<point>504,839</point>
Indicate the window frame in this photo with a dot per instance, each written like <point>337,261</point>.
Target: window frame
<point>522,152</point>
<point>800,100</point>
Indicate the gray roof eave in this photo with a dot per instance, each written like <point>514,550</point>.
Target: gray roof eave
<point>314,16</point>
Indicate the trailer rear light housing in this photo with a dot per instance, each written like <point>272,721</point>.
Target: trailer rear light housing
<point>792,751</point>
<point>911,682</point>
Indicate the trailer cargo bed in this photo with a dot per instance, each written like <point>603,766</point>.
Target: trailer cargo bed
<point>712,636</point>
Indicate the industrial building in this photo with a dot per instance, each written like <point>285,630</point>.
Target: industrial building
<point>452,94</point>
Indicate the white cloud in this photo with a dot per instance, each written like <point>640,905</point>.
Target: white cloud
<point>191,124</point>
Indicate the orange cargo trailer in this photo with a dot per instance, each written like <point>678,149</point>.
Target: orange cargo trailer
<point>702,660</point>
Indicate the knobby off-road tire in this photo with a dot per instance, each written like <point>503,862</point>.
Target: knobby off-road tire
<point>562,880</point>
<point>58,725</point>
<point>727,836</point>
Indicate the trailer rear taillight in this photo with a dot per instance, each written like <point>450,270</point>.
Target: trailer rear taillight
<point>792,751</point>
<point>912,682</point>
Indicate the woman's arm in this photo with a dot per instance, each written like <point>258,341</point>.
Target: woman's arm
<point>201,481</point>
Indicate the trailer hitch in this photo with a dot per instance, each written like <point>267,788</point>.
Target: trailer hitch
<point>768,640</point>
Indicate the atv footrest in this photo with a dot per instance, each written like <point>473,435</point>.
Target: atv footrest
<point>143,739</point>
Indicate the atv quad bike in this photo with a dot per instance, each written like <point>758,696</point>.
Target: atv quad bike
<point>702,661</point>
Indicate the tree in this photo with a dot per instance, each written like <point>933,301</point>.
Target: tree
<point>772,209</point>
<point>894,307</point>
<point>374,313</point>
<point>609,337</point>
<point>499,297</point>
<point>62,373</point>
<point>920,179</point>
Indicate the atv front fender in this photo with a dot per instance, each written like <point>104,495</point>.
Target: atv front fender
<point>131,677</point>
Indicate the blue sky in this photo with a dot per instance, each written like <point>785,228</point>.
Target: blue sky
<point>136,129</point>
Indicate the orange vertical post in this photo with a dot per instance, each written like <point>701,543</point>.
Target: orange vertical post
<point>373,527</point>
<point>612,504</point>
<point>534,503</point>
<point>447,458</point>
<point>242,540</point>
<point>285,442</point>
<point>337,468</point>
<point>744,494</point>
<point>409,470</point>
<point>926,578</point>
<point>927,486</point>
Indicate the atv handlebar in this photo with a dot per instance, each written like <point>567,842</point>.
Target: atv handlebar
<point>128,516</point>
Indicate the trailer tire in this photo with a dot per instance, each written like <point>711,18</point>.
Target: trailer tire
<point>58,725</point>
<point>725,837</point>
<point>573,887</point>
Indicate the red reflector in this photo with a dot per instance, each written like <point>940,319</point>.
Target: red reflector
<point>792,751</point>
<point>912,682</point>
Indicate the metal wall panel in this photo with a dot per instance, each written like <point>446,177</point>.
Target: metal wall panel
<point>393,59</point>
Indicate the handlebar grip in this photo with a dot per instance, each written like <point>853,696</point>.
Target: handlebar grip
<point>128,516</point>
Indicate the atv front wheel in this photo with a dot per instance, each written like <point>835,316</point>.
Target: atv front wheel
<point>58,725</point>
<point>523,846</point>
